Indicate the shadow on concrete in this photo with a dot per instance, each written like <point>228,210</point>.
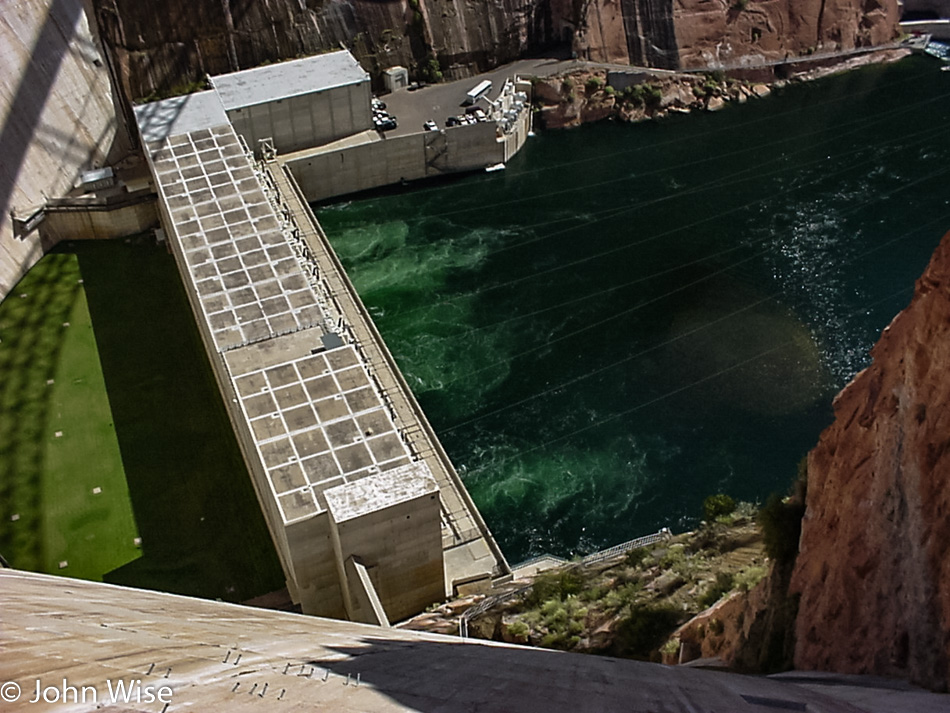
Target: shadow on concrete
<point>437,677</point>
<point>49,51</point>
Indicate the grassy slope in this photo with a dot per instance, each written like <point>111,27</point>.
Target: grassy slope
<point>202,530</point>
<point>47,480</point>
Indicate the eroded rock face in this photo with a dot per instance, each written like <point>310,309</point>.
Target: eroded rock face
<point>164,46</point>
<point>723,32</point>
<point>874,566</point>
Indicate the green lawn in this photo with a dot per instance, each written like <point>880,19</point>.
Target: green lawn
<point>51,384</point>
<point>200,524</point>
<point>202,530</point>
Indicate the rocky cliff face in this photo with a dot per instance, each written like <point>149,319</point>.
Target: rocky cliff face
<point>747,32</point>
<point>165,46</point>
<point>874,565</point>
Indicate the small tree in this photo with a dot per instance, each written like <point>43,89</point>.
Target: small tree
<point>716,506</point>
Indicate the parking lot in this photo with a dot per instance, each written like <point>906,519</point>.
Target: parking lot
<point>440,101</point>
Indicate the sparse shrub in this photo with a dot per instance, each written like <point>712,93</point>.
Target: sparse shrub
<point>560,641</point>
<point>609,91</point>
<point>518,629</point>
<point>722,585</point>
<point>552,609</point>
<point>673,556</point>
<point>431,70</point>
<point>643,95</point>
<point>716,506</point>
<point>622,596</point>
<point>748,577</point>
<point>641,633</point>
<point>595,593</point>
<point>559,584</point>
<point>671,647</point>
<point>716,627</point>
<point>636,557</point>
<point>593,84</point>
<point>781,522</point>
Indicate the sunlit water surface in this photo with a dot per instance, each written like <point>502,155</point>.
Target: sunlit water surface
<point>632,317</point>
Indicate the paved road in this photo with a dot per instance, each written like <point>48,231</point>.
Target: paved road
<point>440,101</point>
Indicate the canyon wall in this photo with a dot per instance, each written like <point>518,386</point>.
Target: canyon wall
<point>56,116</point>
<point>744,32</point>
<point>874,563</point>
<point>164,47</point>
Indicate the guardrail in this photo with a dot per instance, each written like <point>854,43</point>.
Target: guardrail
<point>593,558</point>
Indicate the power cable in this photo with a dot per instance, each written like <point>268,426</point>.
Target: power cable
<point>662,397</point>
<point>666,343</point>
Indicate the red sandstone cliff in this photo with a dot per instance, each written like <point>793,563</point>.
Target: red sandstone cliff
<point>874,565</point>
<point>165,46</point>
<point>743,33</point>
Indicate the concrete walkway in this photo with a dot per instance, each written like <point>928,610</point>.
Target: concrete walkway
<point>470,549</point>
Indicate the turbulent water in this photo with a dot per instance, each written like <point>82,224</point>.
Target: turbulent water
<point>631,317</point>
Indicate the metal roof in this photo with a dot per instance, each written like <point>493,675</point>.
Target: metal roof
<point>180,115</point>
<point>288,79</point>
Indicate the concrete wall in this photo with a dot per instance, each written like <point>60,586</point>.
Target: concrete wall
<point>401,547</point>
<point>326,173</point>
<point>938,29</point>
<point>311,547</point>
<point>356,168</point>
<point>306,120</point>
<point>136,214</point>
<point>56,116</point>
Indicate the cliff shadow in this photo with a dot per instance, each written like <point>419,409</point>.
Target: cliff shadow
<point>202,530</point>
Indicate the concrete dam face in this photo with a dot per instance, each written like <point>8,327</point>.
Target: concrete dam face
<point>59,120</point>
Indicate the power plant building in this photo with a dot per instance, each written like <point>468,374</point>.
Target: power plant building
<point>298,104</point>
<point>368,524</point>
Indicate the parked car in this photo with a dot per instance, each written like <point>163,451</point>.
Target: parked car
<point>385,123</point>
<point>378,105</point>
<point>430,126</point>
<point>453,121</point>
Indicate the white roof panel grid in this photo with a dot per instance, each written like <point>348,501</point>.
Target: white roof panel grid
<point>318,422</point>
<point>248,280</point>
<point>288,79</point>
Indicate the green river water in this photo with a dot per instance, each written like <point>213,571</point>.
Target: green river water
<point>632,317</point>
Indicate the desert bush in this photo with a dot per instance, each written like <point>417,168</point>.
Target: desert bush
<point>748,577</point>
<point>722,585</point>
<point>716,506</point>
<point>641,633</point>
<point>559,584</point>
